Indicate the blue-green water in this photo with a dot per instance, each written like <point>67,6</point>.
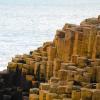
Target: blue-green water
<point>26,24</point>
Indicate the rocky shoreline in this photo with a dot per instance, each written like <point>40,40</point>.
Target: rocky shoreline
<point>67,68</point>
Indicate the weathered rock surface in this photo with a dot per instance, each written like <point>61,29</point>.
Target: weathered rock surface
<point>67,68</point>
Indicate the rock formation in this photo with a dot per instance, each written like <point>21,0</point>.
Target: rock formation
<point>68,68</point>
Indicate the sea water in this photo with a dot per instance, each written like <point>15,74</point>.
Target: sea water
<point>26,24</point>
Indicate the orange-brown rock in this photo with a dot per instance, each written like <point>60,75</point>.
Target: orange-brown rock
<point>67,68</point>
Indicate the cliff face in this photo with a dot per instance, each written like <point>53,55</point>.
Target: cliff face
<point>68,68</point>
<point>78,40</point>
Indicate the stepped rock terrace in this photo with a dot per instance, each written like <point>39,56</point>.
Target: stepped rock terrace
<point>67,68</point>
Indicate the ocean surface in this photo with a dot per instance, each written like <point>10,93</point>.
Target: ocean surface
<point>26,24</point>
